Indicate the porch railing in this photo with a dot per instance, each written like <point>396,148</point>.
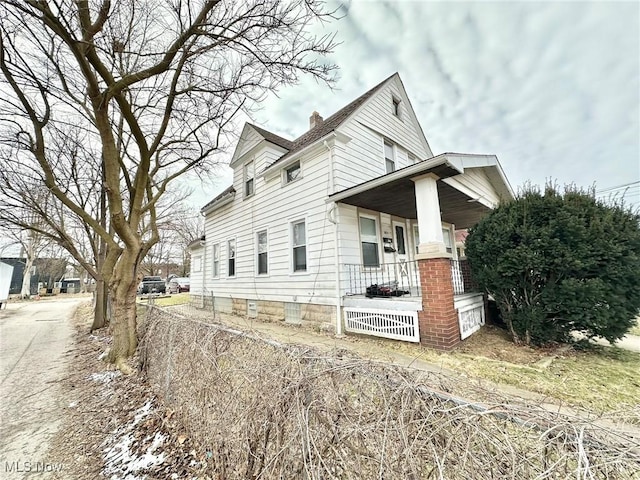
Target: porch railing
<point>461,277</point>
<point>400,279</point>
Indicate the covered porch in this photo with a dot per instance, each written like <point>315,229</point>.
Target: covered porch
<point>426,294</point>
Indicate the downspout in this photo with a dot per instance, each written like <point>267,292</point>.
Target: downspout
<point>332,216</point>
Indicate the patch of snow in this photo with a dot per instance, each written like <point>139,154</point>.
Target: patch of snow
<point>73,404</point>
<point>121,463</point>
<point>105,377</point>
<point>142,412</point>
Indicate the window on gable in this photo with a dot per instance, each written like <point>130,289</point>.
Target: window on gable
<point>231,249</point>
<point>216,260</point>
<point>299,246</point>
<point>262,252</point>
<point>292,173</point>
<point>395,106</point>
<point>369,242</point>
<point>389,157</point>
<point>248,179</point>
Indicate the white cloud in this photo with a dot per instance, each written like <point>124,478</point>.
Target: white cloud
<point>552,89</point>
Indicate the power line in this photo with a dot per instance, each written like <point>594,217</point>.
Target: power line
<point>618,187</point>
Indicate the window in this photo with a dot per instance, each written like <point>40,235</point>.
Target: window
<point>446,237</point>
<point>389,157</point>
<point>299,246</point>
<point>262,249</point>
<point>231,249</point>
<point>369,241</point>
<point>196,264</point>
<point>416,237</point>
<point>216,260</point>
<point>248,179</point>
<point>292,173</point>
<point>400,240</point>
<point>395,106</point>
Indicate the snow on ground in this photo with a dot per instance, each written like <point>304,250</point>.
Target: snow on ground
<point>126,459</point>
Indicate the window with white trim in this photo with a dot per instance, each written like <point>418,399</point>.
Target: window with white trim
<point>231,255</point>
<point>262,249</point>
<point>369,242</point>
<point>416,237</point>
<point>299,246</point>
<point>389,157</point>
<point>196,263</point>
<point>216,260</point>
<point>292,173</point>
<point>249,173</point>
<point>446,238</point>
<point>401,246</point>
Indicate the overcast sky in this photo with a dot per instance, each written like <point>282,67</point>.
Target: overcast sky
<point>552,89</point>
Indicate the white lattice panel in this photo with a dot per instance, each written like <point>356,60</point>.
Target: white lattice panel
<point>395,324</point>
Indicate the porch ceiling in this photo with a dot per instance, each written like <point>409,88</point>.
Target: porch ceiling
<point>397,197</point>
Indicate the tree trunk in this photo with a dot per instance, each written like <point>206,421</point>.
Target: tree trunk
<point>25,292</point>
<point>122,289</point>
<point>100,318</point>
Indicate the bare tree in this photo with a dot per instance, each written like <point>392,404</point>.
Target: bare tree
<point>155,87</point>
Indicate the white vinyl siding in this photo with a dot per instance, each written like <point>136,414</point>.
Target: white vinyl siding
<point>368,128</point>
<point>196,263</point>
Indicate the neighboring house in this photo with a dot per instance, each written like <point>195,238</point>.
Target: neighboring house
<point>356,206</point>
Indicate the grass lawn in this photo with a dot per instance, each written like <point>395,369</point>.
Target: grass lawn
<point>601,379</point>
<point>168,300</point>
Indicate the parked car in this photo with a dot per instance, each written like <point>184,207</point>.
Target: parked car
<point>152,284</point>
<point>179,284</point>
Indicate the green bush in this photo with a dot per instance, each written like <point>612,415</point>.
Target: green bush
<point>558,262</point>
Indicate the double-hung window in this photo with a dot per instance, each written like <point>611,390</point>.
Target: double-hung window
<point>248,179</point>
<point>389,157</point>
<point>369,241</point>
<point>262,252</point>
<point>231,250</point>
<point>299,246</point>
<point>216,260</point>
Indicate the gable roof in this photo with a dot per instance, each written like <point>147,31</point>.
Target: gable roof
<point>229,191</point>
<point>330,124</point>
<point>272,137</point>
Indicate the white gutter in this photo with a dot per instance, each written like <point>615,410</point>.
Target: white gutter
<point>228,198</point>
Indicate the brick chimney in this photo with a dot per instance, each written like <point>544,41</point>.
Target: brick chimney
<point>314,120</point>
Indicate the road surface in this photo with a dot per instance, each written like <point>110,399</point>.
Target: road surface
<point>33,339</point>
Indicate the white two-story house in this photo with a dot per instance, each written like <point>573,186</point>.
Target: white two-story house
<point>352,225</point>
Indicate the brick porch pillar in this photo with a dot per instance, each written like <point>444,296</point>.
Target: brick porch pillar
<point>438,319</point>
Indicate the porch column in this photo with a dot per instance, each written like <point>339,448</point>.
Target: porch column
<point>438,320</point>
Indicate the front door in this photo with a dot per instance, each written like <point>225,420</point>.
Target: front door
<point>402,267</point>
